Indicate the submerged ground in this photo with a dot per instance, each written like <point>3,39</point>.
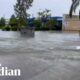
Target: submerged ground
<point>47,56</point>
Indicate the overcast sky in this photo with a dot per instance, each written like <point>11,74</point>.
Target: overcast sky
<point>57,7</point>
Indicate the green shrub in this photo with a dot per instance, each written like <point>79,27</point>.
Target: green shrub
<point>37,23</point>
<point>14,28</point>
<point>13,22</point>
<point>6,28</point>
<point>41,28</point>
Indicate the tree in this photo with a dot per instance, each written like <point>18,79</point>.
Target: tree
<point>2,22</point>
<point>44,14</point>
<point>13,21</point>
<point>20,10</point>
<point>74,5</point>
<point>50,24</point>
<point>37,23</point>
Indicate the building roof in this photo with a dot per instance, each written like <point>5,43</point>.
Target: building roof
<point>58,18</point>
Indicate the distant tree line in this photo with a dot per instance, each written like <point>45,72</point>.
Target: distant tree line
<point>44,21</point>
<point>20,19</point>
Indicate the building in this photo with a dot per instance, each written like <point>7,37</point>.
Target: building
<point>58,22</point>
<point>71,24</point>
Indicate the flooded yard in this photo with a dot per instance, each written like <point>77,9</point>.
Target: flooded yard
<point>47,56</point>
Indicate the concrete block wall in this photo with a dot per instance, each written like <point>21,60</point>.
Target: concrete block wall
<point>71,24</point>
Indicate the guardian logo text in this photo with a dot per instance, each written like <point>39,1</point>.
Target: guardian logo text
<point>5,71</point>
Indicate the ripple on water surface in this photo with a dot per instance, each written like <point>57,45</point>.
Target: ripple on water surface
<point>42,40</point>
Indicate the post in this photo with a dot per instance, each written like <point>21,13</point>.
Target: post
<point>79,19</point>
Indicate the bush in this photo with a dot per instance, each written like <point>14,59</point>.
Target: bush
<point>41,28</point>
<point>37,23</point>
<point>6,28</point>
<point>14,28</point>
<point>51,24</point>
<point>13,21</point>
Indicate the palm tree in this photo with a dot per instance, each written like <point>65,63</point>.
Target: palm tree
<point>40,15</point>
<point>43,16</point>
<point>75,4</point>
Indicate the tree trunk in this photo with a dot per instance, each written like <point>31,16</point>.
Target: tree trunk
<point>71,10</point>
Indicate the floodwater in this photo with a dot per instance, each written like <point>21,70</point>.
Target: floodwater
<point>41,41</point>
<point>46,56</point>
